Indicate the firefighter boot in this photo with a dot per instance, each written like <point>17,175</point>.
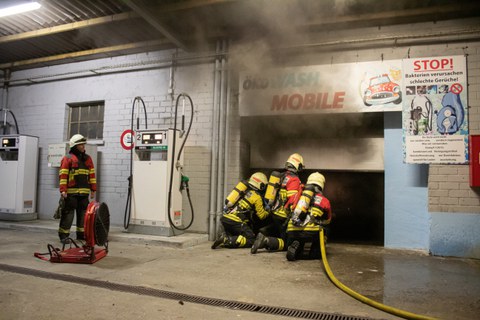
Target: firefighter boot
<point>260,242</point>
<point>220,241</point>
<point>292,251</point>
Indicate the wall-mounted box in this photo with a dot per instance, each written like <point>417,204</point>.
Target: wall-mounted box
<point>474,151</point>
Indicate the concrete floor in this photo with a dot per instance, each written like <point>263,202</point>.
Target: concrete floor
<point>445,288</point>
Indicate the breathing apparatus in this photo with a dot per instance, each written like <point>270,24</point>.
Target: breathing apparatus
<point>273,187</point>
<point>236,194</point>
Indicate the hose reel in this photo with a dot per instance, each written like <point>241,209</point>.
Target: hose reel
<point>96,228</point>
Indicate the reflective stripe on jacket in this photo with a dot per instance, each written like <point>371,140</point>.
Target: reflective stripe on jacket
<point>77,177</point>
<point>251,203</point>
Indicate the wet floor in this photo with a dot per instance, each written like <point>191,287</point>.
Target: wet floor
<point>444,288</point>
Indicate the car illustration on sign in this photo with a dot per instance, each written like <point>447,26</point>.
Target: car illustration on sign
<point>382,90</point>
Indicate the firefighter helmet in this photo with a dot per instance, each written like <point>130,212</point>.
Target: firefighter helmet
<point>295,161</point>
<point>316,178</point>
<point>258,181</point>
<point>77,139</point>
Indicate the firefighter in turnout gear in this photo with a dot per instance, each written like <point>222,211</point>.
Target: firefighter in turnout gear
<point>238,214</point>
<point>77,183</point>
<point>312,213</point>
<point>285,201</point>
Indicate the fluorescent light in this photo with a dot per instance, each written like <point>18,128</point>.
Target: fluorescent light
<point>19,9</point>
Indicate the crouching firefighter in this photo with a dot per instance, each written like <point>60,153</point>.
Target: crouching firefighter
<point>312,213</point>
<point>242,203</point>
<point>77,183</point>
<point>283,202</point>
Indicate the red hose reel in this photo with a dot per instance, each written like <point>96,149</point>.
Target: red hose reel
<point>96,227</point>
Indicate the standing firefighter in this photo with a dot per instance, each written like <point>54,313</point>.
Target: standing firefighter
<point>240,206</point>
<point>283,203</point>
<point>312,213</point>
<point>77,183</point>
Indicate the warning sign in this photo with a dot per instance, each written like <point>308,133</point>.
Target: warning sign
<point>126,139</point>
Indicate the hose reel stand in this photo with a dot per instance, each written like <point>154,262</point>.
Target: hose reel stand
<point>96,227</point>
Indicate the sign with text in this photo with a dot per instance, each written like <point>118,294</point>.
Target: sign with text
<point>338,88</point>
<point>435,124</point>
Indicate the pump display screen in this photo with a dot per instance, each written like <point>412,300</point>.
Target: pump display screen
<point>152,138</point>
<point>8,142</point>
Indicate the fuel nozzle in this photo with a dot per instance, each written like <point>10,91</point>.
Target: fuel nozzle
<point>184,182</point>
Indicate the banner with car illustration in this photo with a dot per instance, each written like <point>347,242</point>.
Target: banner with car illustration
<point>350,87</point>
<point>435,118</point>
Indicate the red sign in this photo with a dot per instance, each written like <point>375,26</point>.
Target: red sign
<point>126,140</point>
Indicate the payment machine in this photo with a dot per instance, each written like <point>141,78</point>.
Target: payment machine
<point>18,177</point>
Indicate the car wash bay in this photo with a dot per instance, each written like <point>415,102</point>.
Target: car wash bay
<point>345,149</point>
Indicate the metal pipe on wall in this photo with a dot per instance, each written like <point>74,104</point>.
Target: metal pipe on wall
<point>227,127</point>
<point>221,143</point>
<point>213,163</point>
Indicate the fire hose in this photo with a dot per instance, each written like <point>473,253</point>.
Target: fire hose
<point>356,295</point>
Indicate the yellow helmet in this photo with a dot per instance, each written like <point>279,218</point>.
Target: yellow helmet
<point>296,161</point>
<point>316,178</point>
<point>258,181</point>
<point>77,139</point>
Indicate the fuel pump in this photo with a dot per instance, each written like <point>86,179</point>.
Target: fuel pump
<point>154,203</point>
<point>151,171</point>
<point>18,177</point>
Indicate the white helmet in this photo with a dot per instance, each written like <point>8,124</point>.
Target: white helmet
<point>258,181</point>
<point>316,178</point>
<point>295,161</point>
<point>77,139</point>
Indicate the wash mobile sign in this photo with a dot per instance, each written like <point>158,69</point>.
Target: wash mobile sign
<point>435,124</point>
<point>336,88</point>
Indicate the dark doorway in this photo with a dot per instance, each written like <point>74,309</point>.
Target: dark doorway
<point>357,200</point>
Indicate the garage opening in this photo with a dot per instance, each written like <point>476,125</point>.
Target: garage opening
<point>346,148</point>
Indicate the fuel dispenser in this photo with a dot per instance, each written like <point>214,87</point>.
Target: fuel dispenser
<point>18,172</point>
<point>153,162</point>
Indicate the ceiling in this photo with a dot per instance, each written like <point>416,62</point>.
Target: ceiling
<point>63,31</point>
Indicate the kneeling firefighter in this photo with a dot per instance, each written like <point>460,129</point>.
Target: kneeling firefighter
<point>243,202</point>
<point>312,213</point>
<point>282,203</point>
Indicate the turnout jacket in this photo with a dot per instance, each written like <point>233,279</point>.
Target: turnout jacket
<point>319,214</point>
<point>251,203</point>
<point>76,176</point>
<point>288,195</point>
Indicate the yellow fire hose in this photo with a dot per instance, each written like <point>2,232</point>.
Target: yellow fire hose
<point>394,311</point>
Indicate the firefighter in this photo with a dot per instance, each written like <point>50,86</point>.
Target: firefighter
<point>286,200</point>
<point>239,211</point>
<point>77,183</point>
<point>312,213</point>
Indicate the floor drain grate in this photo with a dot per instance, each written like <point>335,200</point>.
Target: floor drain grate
<point>234,305</point>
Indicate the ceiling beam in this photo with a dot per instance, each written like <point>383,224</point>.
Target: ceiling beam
<point>435,13</point>
<point>105,50</point>
<point>146,14</point>
<point>69,27</point>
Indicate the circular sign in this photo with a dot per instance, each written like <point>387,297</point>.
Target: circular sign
<point>126,140</point>
<point>456,88</point>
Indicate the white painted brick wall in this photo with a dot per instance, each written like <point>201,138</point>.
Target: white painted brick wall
<point>41,111</point>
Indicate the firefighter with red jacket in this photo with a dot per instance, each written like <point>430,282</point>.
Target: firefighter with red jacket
<point>313,212</point>
<point>242,204</point>
<point>77,183</point>
<point>290,188</point>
